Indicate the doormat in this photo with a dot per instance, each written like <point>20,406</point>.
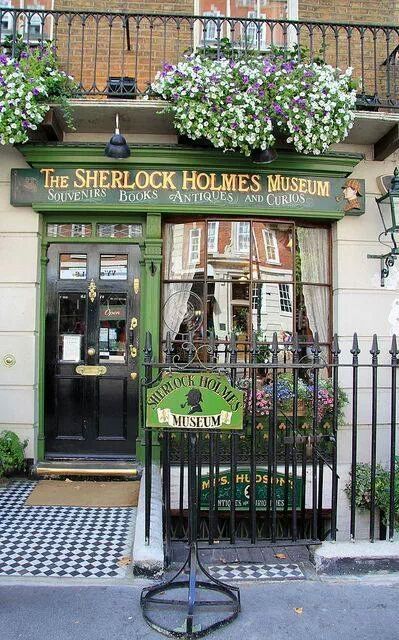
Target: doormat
<point>61,493</point>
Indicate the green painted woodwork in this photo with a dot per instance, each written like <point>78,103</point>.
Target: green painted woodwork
<point>42,344</point>
<point>92,155</point>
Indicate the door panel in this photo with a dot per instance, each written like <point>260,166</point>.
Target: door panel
<point>90,307</point>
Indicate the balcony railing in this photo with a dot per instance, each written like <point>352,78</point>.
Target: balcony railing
<point>116,55</point>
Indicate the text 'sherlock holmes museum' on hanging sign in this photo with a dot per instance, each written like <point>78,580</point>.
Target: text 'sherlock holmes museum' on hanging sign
<point>186,187</point>
<point>199,401</point>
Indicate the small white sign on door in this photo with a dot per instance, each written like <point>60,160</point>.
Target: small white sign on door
<point>71,347</point>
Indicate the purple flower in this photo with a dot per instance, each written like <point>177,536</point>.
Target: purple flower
<point>277,108</point>
<point>3,59</point>
<point>261,93</point>
<point>308,74</point>
<point>245,79</point>
<point>234,125</point>
<point>268,67</point>
<point>25,124</point>
<point>288,66</point>
<point>24,54</point>
<point>229,99</point>
<point>232,64</point>
<point>35,91</point>
<point>197,68</point>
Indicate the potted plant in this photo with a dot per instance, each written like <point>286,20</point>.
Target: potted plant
<point>29,83</point>
<point>239,104</point>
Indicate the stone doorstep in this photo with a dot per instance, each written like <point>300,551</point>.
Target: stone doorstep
<point>345,558</point>
<point>148,560</point>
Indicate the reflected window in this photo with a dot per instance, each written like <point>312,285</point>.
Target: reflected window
<point>271,246</point>
<point>73,266</point>
<point>285,298</point>
<point>112,336</point>
<point>71,330</point>
<point>194,250</point>
<point>113,267</point>
<point>242,236</point>
<point>213,236</point>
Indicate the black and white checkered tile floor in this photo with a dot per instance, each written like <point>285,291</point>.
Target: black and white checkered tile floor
<point>62,541</point>
<point>256,571</point>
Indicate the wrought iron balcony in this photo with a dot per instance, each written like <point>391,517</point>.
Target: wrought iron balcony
<point>116,55</point>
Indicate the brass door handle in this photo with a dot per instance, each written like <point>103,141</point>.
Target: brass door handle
<point>91,351</point>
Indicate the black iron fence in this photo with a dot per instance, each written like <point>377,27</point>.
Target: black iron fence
<point>317,451</point>
<point>117,55</point>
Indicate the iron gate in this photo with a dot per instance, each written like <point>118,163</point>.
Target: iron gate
<point>276,480</point>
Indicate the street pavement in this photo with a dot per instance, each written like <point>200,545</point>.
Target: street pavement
<point>364,608</point>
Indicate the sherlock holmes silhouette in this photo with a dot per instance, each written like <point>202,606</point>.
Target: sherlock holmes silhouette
<point>194,398</point>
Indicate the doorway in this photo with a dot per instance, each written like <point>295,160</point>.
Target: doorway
<point>92,322</point>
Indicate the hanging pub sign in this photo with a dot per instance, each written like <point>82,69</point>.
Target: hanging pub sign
<point>201,401</point>
<point>196,189</point>
<point>283,490</point>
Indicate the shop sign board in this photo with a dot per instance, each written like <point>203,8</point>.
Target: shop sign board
<point>195,401</point>
<point>243,486</point>
<point>181,188</point>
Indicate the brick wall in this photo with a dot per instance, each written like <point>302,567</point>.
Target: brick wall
<point>97,48</point>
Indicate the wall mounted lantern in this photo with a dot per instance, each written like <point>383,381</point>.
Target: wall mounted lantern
<point>117,147</point>
<point>388,206</point>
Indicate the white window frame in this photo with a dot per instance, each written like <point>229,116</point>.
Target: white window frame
<point>284,291</point>
<point>194,247</point>
<point>237,234</point>
<point>6,18</point>
<point>210,26</point>
<point>36,20</point>
<point>270,233</point>
<point>213,245</point>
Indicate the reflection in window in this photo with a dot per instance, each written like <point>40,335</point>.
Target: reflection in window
<point>241,236</point>
<point>112,336</point>
<point>272,252</point>
<point>213,236</point>
<point>120,230</point>
<point>184,251</point>
<point>113,267</point>
<point>194,250</point>
<point>183,310</point>
<point>69,230</point>
<point>285,298</point>
<point>71,330</point>
<point>73,266</point>
<point>267,314</point>
<point>271,247</point>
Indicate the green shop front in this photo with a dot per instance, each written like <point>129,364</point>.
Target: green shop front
<point>189,244</point>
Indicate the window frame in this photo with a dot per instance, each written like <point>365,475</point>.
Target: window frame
<point>215,246</point>
<point>192,261</point>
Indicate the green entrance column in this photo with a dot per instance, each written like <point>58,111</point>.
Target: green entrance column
<point>151,268</point>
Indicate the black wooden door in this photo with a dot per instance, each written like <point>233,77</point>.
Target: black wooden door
<point>92,321</point>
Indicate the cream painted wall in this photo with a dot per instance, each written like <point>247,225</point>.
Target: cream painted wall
<point>19,288</point>
<point>361,305</point>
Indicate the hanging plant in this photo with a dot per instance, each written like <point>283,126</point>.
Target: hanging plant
<point>240,104</point>
<point>29,82</point>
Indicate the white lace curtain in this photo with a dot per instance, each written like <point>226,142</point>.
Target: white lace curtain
<point>176,294</point>
<point>313,245</point>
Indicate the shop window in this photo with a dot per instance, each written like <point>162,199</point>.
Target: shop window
<point>258,291</point>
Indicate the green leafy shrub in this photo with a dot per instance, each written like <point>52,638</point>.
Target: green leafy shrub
<point>382,489</point>
<point>11,452</point>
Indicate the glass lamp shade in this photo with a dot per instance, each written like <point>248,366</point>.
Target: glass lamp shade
<point>388,206</point>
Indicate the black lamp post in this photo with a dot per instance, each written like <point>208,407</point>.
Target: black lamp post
<point>388,206</point>
<point>117,147</point>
